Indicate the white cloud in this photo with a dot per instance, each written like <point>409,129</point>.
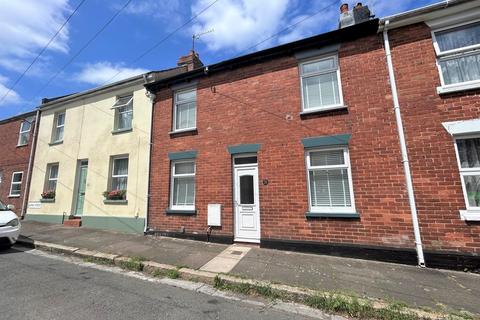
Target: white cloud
<point>12,97</point>
<point>239,24</point>
<point>106,72</point>
<point>27,26</point>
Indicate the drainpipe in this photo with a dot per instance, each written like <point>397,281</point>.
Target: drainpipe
<point>30,164</point>
<point>152,97</point>
<point>403,147</point>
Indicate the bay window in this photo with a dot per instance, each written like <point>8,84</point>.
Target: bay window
<point>468,155</point>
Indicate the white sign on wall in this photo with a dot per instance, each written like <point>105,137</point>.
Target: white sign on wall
<point>34,205</point>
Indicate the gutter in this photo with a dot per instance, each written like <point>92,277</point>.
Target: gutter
<point>422,14</point>
<point>30,165</point>
<point>403,148</point>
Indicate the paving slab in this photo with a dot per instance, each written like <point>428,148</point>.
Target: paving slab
<point>415,286</point>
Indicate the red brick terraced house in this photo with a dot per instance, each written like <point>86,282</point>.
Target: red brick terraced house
<point>17,146</point>
<point>359,142</point>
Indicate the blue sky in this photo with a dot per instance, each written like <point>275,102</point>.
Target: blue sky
<point>27,25</point>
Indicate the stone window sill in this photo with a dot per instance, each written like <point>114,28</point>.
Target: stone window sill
<point>458,87</point>
<point>47,200</point>
<point>181,212</point>
<point>323,110</point>
<point>120,202</point>
<point>341,215</point>
<point>191,131</point>
<point>470,215</point>
<point>119,131</point>
<point>55,143</point>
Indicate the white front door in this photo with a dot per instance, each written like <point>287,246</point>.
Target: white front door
<point>247,207</point>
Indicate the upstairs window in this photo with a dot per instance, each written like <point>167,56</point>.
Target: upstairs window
<point>458,56</point>
<point>182,193</point>
<point>16,185</point>
<point>185,110</point>
<point>123,113</point>
<point>330,181</point>
<point>119,177</point>
<point>58,127</point>
<point>320,81</point>
<point>468,151</point>
<point>24,135</point>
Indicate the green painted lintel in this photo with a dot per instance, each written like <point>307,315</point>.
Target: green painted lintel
<point>244,148</point>
<point>182,155</point>
<point>339,139</point>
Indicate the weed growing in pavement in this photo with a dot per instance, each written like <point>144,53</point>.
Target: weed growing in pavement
<point>98,261</point>
<point>248,289</point>
<point>173,274</point>
<point>134,264</point>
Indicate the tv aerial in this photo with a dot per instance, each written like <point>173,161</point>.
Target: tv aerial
<point>197,36</point>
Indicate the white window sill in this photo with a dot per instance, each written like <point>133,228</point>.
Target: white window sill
<point>319,110</point>
<point>470,215</point>
<point>54,143</point>
<point>183,131</point>
<point>458,87</point>
<point>14,196</point>
<point>22,145</point>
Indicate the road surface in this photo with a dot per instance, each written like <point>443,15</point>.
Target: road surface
<point>37,285</point>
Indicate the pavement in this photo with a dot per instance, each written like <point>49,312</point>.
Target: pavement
<point>435,289</point>
<point>37,286</point>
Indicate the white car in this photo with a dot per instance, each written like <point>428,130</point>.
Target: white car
<point>9,226</point>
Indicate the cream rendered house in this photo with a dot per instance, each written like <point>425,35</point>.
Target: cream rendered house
<point>92,157</point>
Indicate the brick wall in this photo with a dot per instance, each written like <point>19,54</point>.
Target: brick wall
<point>13,159</point>
<point>261,104</point>
<point>431,150</point>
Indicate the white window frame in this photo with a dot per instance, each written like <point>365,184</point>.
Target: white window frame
<point>452,54</point>
<point>24,132</point>
<point>346,165</point>
<point>56,126</point>
<point>49,176</point>
<point>313,74</point>
<point>15,183</point>
<point>113,175</point>
<point>471,213</point>
<point>117,112</point>
<point>176,103</point>
<point>173,175</point>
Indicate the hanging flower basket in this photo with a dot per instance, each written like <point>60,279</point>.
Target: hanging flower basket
<point>115,195</point>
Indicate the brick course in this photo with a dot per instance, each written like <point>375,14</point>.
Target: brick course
<point>261,103</point>
<point>436,177</point>
<point>13,159</point>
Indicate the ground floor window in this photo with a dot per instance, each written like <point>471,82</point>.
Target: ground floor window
<point>182,193</point>
<point>329,180</point>
<point>468,155</point>
<point>16,185</point>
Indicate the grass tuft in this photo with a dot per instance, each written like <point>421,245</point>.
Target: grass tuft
<point>134,264</point>
<point>173,274</point>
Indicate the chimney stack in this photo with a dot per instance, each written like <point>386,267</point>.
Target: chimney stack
<point>191,61</point>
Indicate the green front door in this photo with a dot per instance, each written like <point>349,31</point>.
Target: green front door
<point>82,185</point>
